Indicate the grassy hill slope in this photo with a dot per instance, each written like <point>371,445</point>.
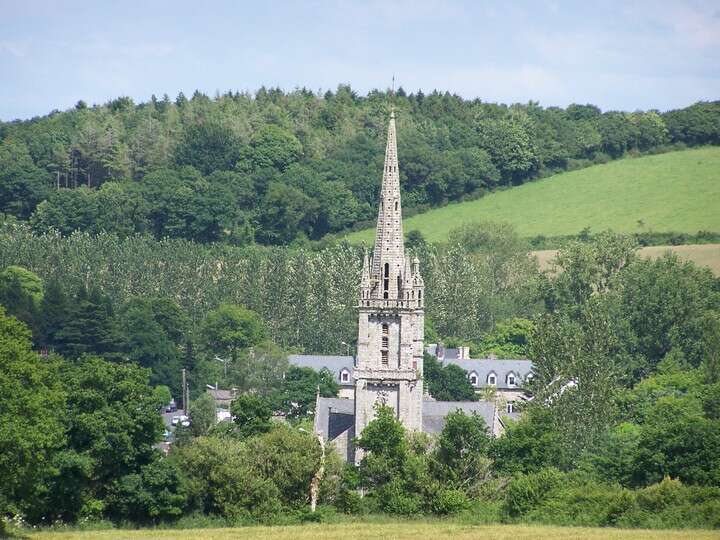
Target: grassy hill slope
<point>677,191</point>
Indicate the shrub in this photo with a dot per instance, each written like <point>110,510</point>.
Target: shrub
<point>157,493</point>
<point>582,503</point>
<point>393,498</point>
<point>658,497</point>
<point>678,239</point>
<point>527,491</point>
<point>601,158</point>
<point>450,501</point>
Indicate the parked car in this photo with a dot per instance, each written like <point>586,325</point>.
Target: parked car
<point>175,420</point>
<point>171,407</point>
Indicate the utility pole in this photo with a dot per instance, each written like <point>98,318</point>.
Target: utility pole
<point>184,392</point>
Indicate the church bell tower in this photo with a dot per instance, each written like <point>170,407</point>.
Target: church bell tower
<point>391,320</point>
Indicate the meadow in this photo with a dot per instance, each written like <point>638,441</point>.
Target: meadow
<point>399,530</point>
<point>677,191</point>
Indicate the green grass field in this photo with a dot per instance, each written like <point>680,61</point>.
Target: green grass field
<point>677,191</point>
<point>401,530</point>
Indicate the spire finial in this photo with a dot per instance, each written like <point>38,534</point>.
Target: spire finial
<point>392,98</point>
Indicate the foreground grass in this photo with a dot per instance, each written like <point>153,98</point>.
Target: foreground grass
<point>677,191</point>
<point>397,530</point>
<point>707,255</point>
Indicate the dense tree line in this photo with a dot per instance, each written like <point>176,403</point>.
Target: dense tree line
<point>277,167</point>
<point>303,295</point>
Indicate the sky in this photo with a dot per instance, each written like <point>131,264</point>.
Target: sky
<point>624,55</point>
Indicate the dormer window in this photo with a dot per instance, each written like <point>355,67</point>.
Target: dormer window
<point>344,376</point>
<point>492,379</point>
<point>473,378</point>
<point>511,380</point>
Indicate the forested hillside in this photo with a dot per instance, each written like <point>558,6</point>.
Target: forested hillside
<point>277,167</point>
<point>663,198</point>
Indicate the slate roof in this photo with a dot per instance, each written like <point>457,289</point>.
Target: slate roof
<point>334,415</point>
<point>445,352</point>
<point>324,420</point>
<point>335,364</point>
<point>434,413</point>
<point>501,368</point>
<point>482,367</point>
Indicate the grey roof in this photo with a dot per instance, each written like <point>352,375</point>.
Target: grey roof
<point>327,408</point>
<point>434,413</point>
<point>439,351</point>
<point>335,364</point>
<point>482,367</point>
<point>501,368</point>
<point>334,415</point>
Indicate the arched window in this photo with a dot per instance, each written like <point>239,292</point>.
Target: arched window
<point>511,379</point>
<point>473,378</point>
<point>344,376</point>
<point>492,379</point>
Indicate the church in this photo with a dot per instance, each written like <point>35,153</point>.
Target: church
<point>388,368</point>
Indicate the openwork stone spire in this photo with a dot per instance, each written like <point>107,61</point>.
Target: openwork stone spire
<point>388,260</point>
<point>389,362</point>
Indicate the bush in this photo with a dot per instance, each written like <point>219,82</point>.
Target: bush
<point>658,497</point>
<point>670,504</point>
<point>393,498</point>
<point>583,503</point>
<point>678,239</point>
<point>351,502</point>
<point>450,501</point>
<point>553,498</point>
<point>576,164</point>
<point>527,491</point>
<point>601,158</point>
<point>157,493</point>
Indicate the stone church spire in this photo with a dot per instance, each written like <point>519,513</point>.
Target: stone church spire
<point>389,363</point>
<point>388,260</point>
